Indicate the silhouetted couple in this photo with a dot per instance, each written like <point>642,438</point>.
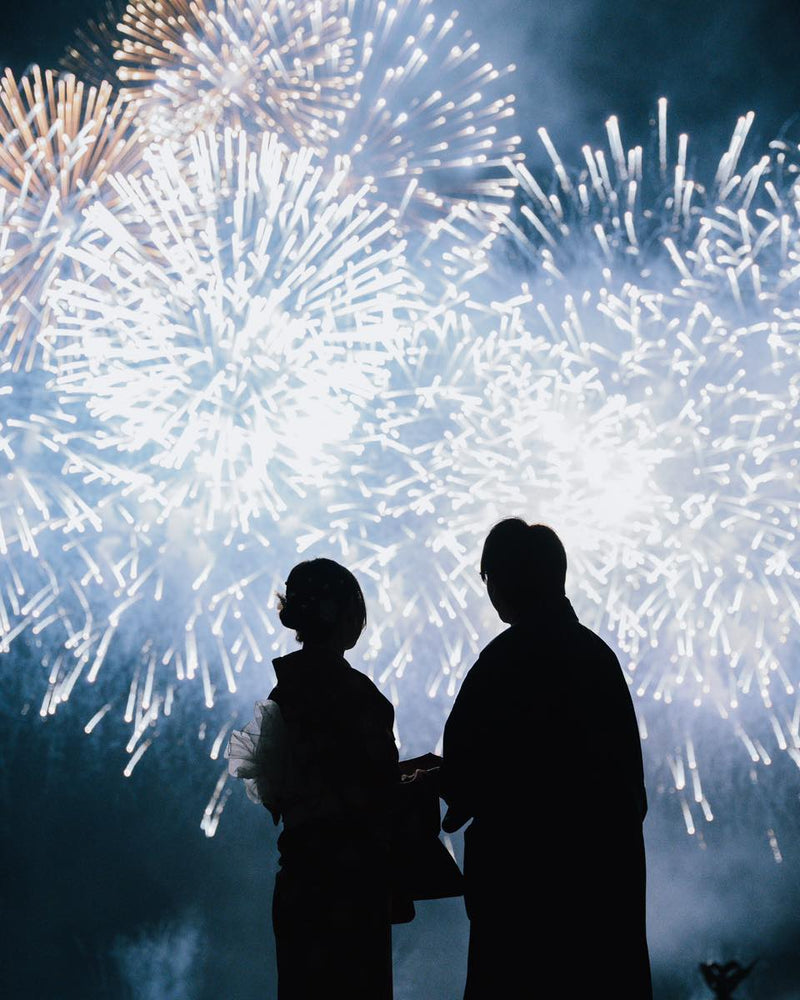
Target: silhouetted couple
<point>541,757</point>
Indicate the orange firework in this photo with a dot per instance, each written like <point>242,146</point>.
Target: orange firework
<point>59,142</point>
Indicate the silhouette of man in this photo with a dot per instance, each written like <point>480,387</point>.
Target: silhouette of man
<point>542,753</point>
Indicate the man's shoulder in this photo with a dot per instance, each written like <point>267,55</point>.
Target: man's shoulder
<point>498,649</point>
<point>520,645</point>
<point>509,638</point>
<point>595,643</point>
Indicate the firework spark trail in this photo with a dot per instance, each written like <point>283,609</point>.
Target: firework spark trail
<point>253,64</point>
<point>58,143</point>
<point>49,521</point>
<point>35,438</point>
<point>90,55</point>
<point>733,239</point>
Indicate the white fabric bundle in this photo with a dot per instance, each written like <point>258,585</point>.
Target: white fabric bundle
<point>257,754</point>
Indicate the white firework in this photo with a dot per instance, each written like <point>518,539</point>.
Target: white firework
<point>230,324</point>
<point>229,339</point>
<point>430,125</point>
<point>695,327</point>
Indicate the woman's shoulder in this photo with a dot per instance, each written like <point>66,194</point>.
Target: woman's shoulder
<point>366,690</point>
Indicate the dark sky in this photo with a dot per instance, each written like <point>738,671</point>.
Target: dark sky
<point>110,889</point>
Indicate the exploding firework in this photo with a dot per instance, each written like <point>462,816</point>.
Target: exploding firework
<point>250,64</point>
<point>48,523</point>
<point>218,349</point>
<point>685,342</point>
<point>403,96</point>
<point>230,337</point>
<point>58,143</point>
<point>429,124</point>
<point>249,365</point>
<point>676,498</point>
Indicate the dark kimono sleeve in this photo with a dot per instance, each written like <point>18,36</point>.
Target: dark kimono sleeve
<point>373,772</point>
<point>377,734</point>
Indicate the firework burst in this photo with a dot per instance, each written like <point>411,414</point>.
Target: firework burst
<point>217,351</point>
<point>59,142</point>
<point>274,65</point>
<point>686,305</point>
<point>429,125</point>
<point>231,336</point>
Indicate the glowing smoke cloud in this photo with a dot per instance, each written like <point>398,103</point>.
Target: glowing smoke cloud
<point>40,504</point>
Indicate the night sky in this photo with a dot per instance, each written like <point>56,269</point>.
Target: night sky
<point>111,890</point>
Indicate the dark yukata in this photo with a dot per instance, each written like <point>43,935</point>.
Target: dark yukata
<point>542,753</point>
<point>332,902</point>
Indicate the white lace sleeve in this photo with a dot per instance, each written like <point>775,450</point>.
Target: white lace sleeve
<point>256,754</point>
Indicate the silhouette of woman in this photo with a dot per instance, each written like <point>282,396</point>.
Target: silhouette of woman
<point>321,756</point>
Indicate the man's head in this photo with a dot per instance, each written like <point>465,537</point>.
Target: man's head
<point>522,565</point>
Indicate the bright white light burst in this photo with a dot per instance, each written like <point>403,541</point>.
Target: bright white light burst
<point>229,338</point>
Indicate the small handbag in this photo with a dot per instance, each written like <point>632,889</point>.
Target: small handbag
<point>422,866</point>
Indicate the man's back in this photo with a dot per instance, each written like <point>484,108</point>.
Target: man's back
<point>542,749</point>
